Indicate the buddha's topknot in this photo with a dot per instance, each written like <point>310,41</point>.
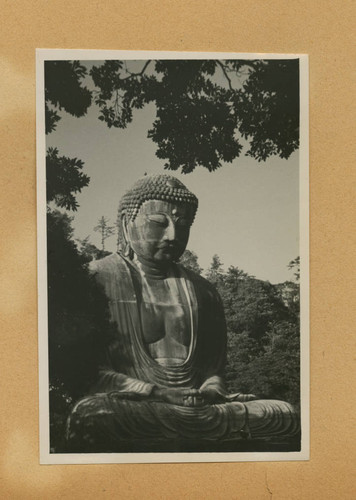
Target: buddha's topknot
<point>155,187</point>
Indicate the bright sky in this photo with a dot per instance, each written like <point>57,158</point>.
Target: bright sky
<point>248,211</point>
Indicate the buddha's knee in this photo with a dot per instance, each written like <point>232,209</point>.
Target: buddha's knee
<point>272,418</point>
<point>85,423</point>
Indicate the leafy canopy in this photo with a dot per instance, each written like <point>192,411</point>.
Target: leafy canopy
<point>204,108</point>
<point>64,90</point>
<point>64,178</point>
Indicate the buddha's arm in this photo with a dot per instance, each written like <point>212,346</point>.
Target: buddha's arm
<point>111,376</point>
<point>213,387</point>
<point>110,380</point>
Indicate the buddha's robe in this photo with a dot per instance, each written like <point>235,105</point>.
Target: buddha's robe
<point>170,334</point>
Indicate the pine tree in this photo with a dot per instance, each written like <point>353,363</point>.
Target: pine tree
<point>105,229</point>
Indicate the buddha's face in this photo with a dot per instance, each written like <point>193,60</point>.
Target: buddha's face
<point>160,230</point>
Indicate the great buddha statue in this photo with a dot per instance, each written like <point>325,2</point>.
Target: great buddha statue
<point>161,378</point>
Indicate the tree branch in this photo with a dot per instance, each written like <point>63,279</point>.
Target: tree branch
<point>136,74</point>
<point>223,68</point>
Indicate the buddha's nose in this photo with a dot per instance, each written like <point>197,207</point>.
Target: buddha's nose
<point>170,234</point>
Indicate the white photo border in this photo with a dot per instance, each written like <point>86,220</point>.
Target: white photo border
<point>46,457</point>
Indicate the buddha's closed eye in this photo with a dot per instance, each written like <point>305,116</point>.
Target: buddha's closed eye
<point>159,219</point>
<point>162,220</point>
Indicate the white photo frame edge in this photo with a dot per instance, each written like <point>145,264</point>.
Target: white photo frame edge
<point>46,457</point>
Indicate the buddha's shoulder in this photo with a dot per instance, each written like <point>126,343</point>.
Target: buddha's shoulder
<point>201,283</point>
<point>110,264</point>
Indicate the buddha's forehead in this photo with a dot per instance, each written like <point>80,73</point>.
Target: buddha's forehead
<point>165,207</point>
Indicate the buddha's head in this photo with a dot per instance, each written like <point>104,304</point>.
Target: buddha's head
<point>155,217</point>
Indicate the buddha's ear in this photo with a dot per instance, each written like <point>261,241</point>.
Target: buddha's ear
<point>126,247</point>
<point>124,227</point>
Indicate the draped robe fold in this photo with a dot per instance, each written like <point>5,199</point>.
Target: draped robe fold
<point>120,405</point>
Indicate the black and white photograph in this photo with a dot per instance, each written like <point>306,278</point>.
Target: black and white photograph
<point>173,280</point>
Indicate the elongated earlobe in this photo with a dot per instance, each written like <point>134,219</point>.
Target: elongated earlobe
<point>127,250</point>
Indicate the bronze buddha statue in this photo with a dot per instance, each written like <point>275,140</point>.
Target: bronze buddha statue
<point>161,378</point>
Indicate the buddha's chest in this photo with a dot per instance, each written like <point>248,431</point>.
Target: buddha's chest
<point>165,314</point>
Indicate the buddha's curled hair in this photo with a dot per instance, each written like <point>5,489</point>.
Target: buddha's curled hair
<point>161,187</point>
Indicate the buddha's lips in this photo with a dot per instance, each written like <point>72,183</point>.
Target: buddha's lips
<point>168,246</point>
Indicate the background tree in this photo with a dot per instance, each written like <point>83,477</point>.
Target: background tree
<point>289,291</point>
<point>294,265</point>
<point>90,251</point>
<point>215,273</point>
<point>105,230</point>
<point>263,334</point>
<point>189,260</point>
<point>75,305</point>
<point>78,324</point>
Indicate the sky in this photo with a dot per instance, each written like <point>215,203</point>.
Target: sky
<point>248,211</point>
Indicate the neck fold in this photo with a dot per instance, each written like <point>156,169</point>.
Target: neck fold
<point>152,269</point>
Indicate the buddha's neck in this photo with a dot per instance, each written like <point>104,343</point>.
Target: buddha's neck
<point>152,269</point>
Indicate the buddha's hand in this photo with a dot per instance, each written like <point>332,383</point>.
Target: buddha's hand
<point>213,390</point>
<point>216,393</point>
<point>178,396</point>
<point>213,395</point>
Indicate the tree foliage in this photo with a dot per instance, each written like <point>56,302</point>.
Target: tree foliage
<point>189,260</point>
<point>294,265</point>
<point>64,90</point>
<point>268,369</point>
<point>77,308</point>
<point>263,333</point>
<point>203,107</point>
<point>197,119</point>
<point>90,251</point>
<point>64,178</point>
<point>78,322</point>
<point>268,109</point>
